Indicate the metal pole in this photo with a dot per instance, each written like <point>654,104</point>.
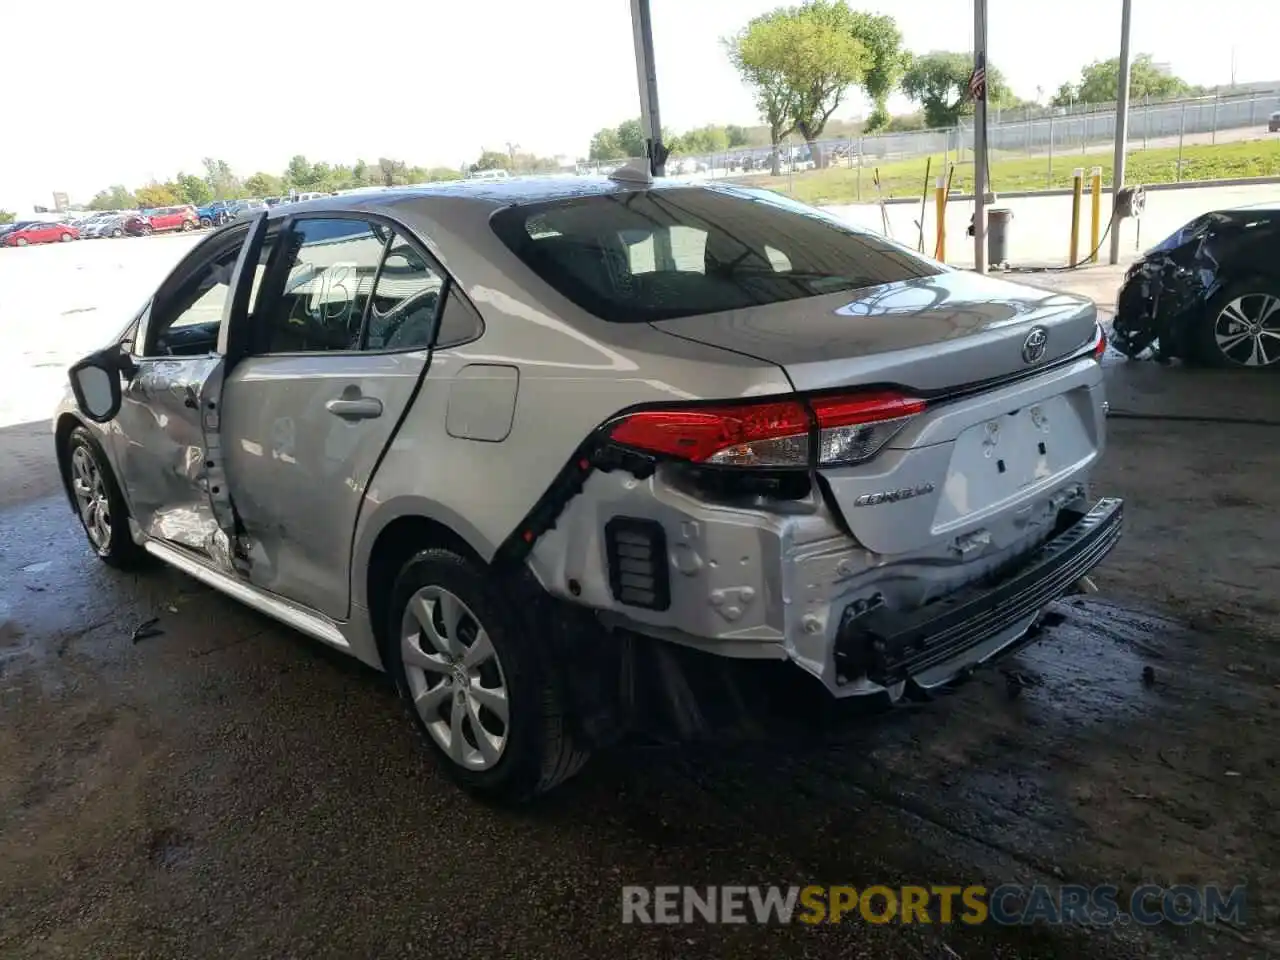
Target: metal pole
<point>1122,125</point>
<point>980,141</point>
<point>1050,180</point>
<point>1182,130</point>
<point>646,75</point>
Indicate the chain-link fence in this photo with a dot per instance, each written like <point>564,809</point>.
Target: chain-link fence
<point>1032,148</point>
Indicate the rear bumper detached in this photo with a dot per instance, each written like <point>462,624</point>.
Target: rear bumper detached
<point>888,647</point>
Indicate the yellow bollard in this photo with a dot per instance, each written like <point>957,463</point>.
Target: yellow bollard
<point>1095,202</point>
<point>940,202</point>
<point>1077,190</point>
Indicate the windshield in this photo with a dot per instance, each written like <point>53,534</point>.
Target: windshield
<point>1184,234</point>
<point>677,252</point>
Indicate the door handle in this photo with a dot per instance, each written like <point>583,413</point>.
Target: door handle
<point>355,408</point>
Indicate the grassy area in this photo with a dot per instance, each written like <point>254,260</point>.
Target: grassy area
<point>905,178</point>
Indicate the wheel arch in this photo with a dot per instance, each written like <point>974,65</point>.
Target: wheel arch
<point>398,531</point>
<point>63,427</point>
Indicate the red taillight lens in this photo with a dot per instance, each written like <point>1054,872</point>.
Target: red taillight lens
<point>1100,343</point>
<point>749,435</point>
<point>848,428</point>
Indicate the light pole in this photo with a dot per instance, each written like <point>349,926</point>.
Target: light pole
<point>1122,127</point>
<point>650,120</point>
<point>980,138</point>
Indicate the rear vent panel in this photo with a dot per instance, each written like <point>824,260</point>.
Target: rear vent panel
<point>639,575</point>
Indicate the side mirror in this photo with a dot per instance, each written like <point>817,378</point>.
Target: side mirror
<point>95,382</point>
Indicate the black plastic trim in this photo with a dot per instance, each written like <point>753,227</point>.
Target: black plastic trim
<point>895,645</point>
<point>659,570</point>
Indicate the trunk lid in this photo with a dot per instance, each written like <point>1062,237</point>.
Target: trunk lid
<point>978,469</point>
<point>929,334</point>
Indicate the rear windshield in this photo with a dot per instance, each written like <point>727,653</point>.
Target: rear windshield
<point>679,252</point>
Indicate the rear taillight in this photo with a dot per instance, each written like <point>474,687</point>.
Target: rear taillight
<point>854,428</point>
<point>841,429</point>
<point>1099,343</point>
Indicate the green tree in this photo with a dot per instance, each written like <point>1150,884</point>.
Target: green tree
<point>760,52</point>
<point>939,82</point>
<point>631,138</point>
<point>158,195</point>
<point>435,174</point>
<point>880,35</point>
<point>7,216</point>
<point>813,52</point>
<point>193,189</point>
<point>1100,82</point>
<point>222,181</point>
<point>360,173</point>
<point>736,135</point>
<point>708,139</point>
<point>264,185</point>
<point>298,174</point>
<point>391,173</point>
<point>115,198</point>
<point>604,145</point>
<point>491,160</point>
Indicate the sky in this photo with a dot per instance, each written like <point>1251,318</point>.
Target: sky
<point>126,91</point>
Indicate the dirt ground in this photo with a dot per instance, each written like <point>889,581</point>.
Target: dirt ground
<point>231,789</point>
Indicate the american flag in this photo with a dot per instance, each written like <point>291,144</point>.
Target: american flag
<point>978,82</point>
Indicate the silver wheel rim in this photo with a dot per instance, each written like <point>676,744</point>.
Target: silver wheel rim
<point>91,495</point>
<point>455,678</point>
<point>1247,330</point>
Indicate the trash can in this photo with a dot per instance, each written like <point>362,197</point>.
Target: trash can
<point>998,235</point>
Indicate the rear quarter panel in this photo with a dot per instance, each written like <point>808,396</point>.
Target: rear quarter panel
<point>575,372</point>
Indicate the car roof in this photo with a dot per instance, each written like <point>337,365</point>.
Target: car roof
<point>1264,207</point>
<point>491,194</point>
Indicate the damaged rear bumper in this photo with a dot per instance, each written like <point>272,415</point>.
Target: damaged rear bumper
<point>888,647</point>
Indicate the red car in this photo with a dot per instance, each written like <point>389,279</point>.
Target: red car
<point>169,218</point>
<point>23,234</point>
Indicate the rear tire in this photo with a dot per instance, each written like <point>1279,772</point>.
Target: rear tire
<point>186,226</point>
<point>117,232</point>
<point>100,505</point>
<point>148,230</point>
<point>206,223</point>
<point>1240,328</point>
<point>453,631</point>
<point>67,238</point>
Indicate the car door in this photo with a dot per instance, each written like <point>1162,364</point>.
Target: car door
<point>338,356</point>
<point>165,435</point>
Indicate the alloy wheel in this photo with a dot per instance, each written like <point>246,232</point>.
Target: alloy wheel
<point>1247,330</point>
<point>455,678</point>
<point>90,490</point>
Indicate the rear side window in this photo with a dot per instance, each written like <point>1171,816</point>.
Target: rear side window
<point>678,252</point>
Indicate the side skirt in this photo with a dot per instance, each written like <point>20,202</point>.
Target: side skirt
<point>290,614</point>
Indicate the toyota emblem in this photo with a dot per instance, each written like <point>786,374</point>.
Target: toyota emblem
<point>1033,348</point>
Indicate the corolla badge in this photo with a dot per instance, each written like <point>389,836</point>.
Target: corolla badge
<point>1034,347</point>
<point>893,496</point>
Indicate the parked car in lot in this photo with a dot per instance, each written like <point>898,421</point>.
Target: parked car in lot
<point>163,219</point>
<point>215,214</point>
<point>108,225</point>
<point>246,208</point>
<point>515,442</point>
<point>1273,123</point>
<point>36,231</point>
<point>1209,292</point>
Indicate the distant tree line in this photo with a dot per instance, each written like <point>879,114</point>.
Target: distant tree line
<point>220,182</point>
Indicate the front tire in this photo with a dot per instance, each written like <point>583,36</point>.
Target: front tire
<point>67,238</point>
<point>1241,327</point>
<point>21,242</point>
<point>186,226</point>
<point>99,502</point>
<point>468,663</point>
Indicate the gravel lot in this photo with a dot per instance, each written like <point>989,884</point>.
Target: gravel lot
<point>231,789</point>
